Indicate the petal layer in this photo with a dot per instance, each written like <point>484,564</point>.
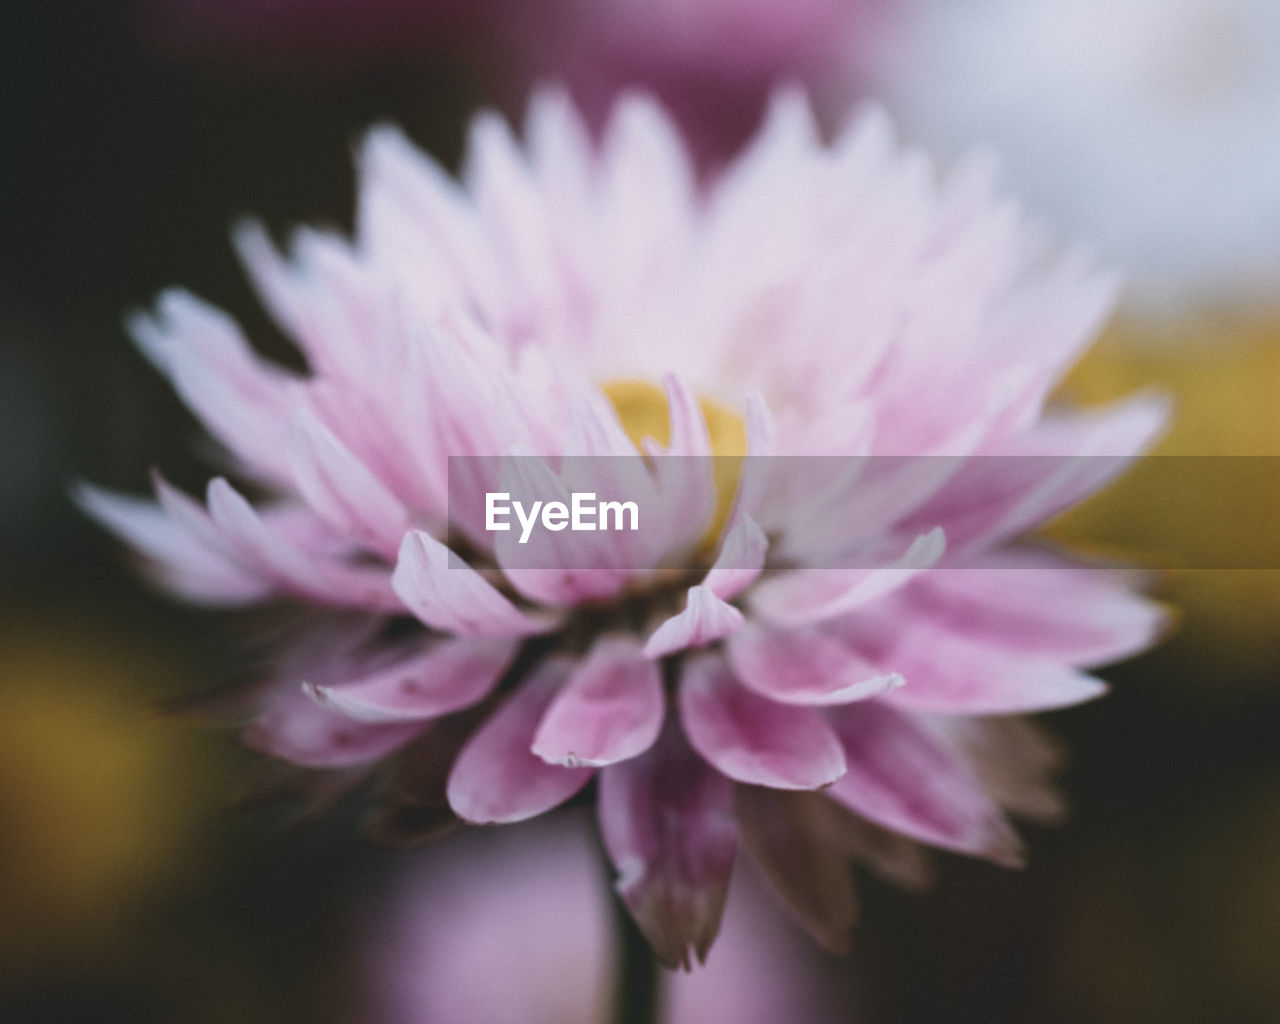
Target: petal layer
<point>610,709</point>
<point>497,779</point>
<point>752,739</point>
<point>668,824</point>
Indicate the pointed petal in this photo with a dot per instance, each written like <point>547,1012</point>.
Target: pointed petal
<point>447,594</point>
<point>182,561</point>
<point>342,490</point>
<point>814,595</point>
<point>610,709</point>
<point>794,837</point>
<point>704,620</point>
<point>888,855</point>
<point>557,568</point>
<point>804,666</point>
<point>685,471</point>
<point>241,399</point>
<point>294,728</point>
<point>740,561</point>
<point>903,778</point>
<point>497,779</point>
<point>274,547</point>
<point>668,824</point>
<point>752,739</point>
<point>1057,465</point>
<point>949,673</point>
<point>1015,760</point>
<point>756,468</point>
<point>1038,602</point>
<point>436,677</point>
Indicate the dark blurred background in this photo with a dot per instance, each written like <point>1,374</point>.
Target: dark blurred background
<point>131,891</point>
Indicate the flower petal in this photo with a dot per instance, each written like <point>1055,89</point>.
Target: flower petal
<point>342,490</point>
<point>448,595</point>
<point>804,666</point>
<point>610,709</point>
<point>1014,759</point>
<point>244,401</point>
<point>901,777</point>
<point>668,824</point>
<point>295,728</point>
<point>752,739</point>
<point>1038,602</point>
<point>795,838</point>
<point>497,779</point>
<point>704,620</point>
<point>181,560</point>
<point>814,595</point>
<point>558,568</point>
<point>437,677</point>
<point>740,561</point>
<point>1053,467</point>
<point>279,554</point>
<point>949,673</point>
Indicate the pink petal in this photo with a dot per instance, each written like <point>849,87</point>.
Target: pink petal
<point>268,547</point>
<point>949,673</point>
<point>559,568</point>
<point>704,620</point>
<point>762,441</point>
<point>803,666</point>
<point>497,779</point>
<point>1055,465</point>
<point>448,595</point>
<point>753,739</point>
<point>867,498</point>
<point>814,595</point>
<point>295,728</point>
<point>1037,602</point>
<point>406,194</point>
<point>342,490</point>
<point>184,562</point>
<point>797,839</point>
<point>689,434</point>
<point>594,428</point>
<point>244,401</point>
<point>901,777</point>
<point>647,189</point>
<point>611,708</point>
<point>499,178</point>
<point>1014,759</point>
<point>435,678</point>
<point>668,824</point>
<point>888,855</point>
<point>740,561</point>
<point>685,469</point>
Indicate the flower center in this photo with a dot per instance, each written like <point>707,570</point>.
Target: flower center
<point>642,408</point>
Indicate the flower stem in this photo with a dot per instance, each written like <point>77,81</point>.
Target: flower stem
<point>636,989</point>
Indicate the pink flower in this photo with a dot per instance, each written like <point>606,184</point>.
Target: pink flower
<point>822,659</point>
<point>432,949</point>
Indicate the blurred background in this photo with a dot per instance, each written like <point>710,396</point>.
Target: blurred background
<point>132,134</point>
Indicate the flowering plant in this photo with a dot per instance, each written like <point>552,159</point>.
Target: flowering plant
<point>816,680</point>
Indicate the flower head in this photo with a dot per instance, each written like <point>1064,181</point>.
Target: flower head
<point>799,665</point>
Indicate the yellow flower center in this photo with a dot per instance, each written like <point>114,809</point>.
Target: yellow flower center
<point>642,408</point>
